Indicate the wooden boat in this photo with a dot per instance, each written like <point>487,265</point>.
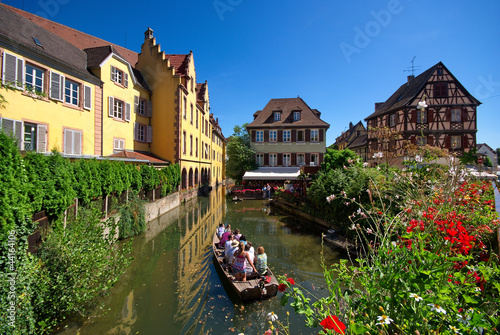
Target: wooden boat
<point>254,288</point>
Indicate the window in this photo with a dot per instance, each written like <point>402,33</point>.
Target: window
<point>296,116</point>
<point>34,78</point>
<point>196,150</point>
<point>191,145</point>
<point>287,159</point>
<point>140,106</point>
<point>259,136</point>
<point>314,159</point>
<point>439,71</point>
<point>286,135</point>
<point>440,90</point>
<point>118,144</point>
<point>421,140</point>
<point>277,116</point>
<point>87,97</point>
<point>30,137</point>
<point>456,115</point>
<point>184,140</point>
<point>202,126</point>
<point>142,132</point>
<point>314,135</point>
<point>192,114</point>
<point>456,142</point>
<point>273,159</point>
<point>273,135</point>
<point>300,136</point>
<point>71,92</point>
<point>119,77</point>
<point>197,113</point>
<point>184,109</point>
<point>301,159</point>
<point>119,109</point>
<point>72,142</point>
<point>13,68</point>
<point>422,116</point>
<point>392,120</point>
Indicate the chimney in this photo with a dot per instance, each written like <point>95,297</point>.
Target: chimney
<point>410,78</point>
<point>350,125</point>
<point>148,34</point>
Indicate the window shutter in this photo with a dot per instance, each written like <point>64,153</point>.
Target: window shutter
<point>413,116</point>
<point>308,158</point>
<point>136,131</point>
<point>266,135</point>
<point>294,135</point>
<point>430,140</point>
<point>464,114</point>
<point>254,132</point>
<point>294,159</point>
<point>150,135</point>
<point>465,142</point>
<point>308,135</point>
<point>413,139</point>
<point>320,159</point>
<point>41,145</point>
<point>9,74</point>
<point>149,106</point>
<point>266,159</point>
<point>113,73</point>
<point>447,142</point>
<point>20,73</point>
<point>280,135</point>
<point>68,141</point>
<point>55,86</point>
<point>19,133</point>
<point>387,122</point>
<point>127,111</point>
<point>87,97</point>
<point>321,135</point>
<point>136,104</point>
<point>448,115</point>
<point>110,109</point>
<point>280,159</point>
<point>125,79</point>
<point>8,126</point>
<point>430,116</point>
<point>77,140</point>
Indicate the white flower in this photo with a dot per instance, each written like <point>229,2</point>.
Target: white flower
<point>350,161</point>
<point>369,231</point>
<point>422,105</point>
<point>365,164</point>
<point>272,317</point>
<point>384,319</point>
<point>455,330</point>
<point>379,154</point>
<point>352,227</point>
<point>415,296</point>
<point>330,198</point>
<point>437,308</point>
<point>418,159</point>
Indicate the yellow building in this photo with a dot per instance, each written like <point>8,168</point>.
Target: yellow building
<point>50,95</point>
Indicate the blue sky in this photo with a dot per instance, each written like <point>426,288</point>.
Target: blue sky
<point>339,56</point>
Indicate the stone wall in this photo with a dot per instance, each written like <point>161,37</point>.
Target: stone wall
<point>160,207</point>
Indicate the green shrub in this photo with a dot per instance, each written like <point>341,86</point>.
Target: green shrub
<point>132,218</point>
<point>150,178</point>
<point>337,159</point>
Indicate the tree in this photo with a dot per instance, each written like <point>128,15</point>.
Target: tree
<point>337,159</point>
<point>240,158</point>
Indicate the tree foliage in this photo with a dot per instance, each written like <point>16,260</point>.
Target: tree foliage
<point>240,157</point>
<point>336,159</point>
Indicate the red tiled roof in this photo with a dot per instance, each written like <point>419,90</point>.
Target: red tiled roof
<point>139,156</point>
<point>75,37</point>
<point>179,62</point>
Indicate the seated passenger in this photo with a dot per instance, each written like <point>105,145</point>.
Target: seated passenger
<point>224,237</point>
<point>231,251</point>
<point>251,253</point>
<point>227,244</point>
<point>237,234</point>
<point>220,230</point>
<point>243,239</point>
<point>261,261</point>
<point>240,260</point>
<point>228,228</point>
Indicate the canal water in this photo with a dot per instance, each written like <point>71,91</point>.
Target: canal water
<point>172,287</point>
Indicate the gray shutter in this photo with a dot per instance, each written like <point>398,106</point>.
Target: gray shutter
<point>8,126</point>
<point>127,111</point>
<point>150,135</point>
<point>110,107</point>
<point>87,97</point>
<point>125,79</point>
<point>55,86</point>
<point>9,69</point>
<point>136,131</point>
<point>18,125</point>
<point>41,145</point>
<point>113,73</point>
<point>149,107</point>
<point>77,142</point>
<point>136,104</point>
<point>68,141</point>
<point>20,73</point>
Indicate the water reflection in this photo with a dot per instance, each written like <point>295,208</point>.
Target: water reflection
<point>172,287</point>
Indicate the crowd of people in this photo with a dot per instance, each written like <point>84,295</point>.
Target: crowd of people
<point>240,253</point>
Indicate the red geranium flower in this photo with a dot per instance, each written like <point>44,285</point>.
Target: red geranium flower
<point>291,281</point>
<point>281,287</point>
<point>333,322</point>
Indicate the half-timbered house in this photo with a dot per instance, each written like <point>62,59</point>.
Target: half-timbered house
<point>447,120</point>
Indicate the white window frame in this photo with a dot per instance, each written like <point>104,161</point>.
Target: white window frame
<point>118,144</point>
<point>34,77</point>
<point>74,136</point>
<point>301,159</point>
<point>277,116</point>
<point>287,159</point>
<point>296,116</point>
<point>456,115</point>
<point>314,159</point>
<point>119,76</point>
<point>273,136</point>
<point>457,139</point>
<point>56,89</point>
<point>259,159</point>
<point>314,135</point>
<point>421,140</point>
<point>392,120</point>
<point>118,109</point>
<point>87,97</point>
<point>422,116</point>
<point>259,136</point>
<point>287,135</point>
<point>18,74</point>
<point>273,159</point>
<point>72,92</point>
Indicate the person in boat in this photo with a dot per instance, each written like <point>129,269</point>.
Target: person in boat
<point>251,252</point>
<point>220,230</point>
<point>227,244</point>
<point>233,249</point>
<point>243,239</point>
<point>228,228</point>
<point>261,261</point>
<point>239,263</point>
<point>224,238</point>
<point>237,234</point>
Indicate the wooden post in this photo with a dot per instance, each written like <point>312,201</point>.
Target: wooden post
<point>76,207</point>
<point>106,207</point>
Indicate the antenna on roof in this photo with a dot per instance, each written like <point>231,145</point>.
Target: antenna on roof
<point>412,68</point>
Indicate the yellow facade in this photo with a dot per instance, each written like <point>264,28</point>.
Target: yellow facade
<point>42,123</point>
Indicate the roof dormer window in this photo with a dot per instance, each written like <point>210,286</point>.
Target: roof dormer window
<point>277,116</point>
<point>296,116</point>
